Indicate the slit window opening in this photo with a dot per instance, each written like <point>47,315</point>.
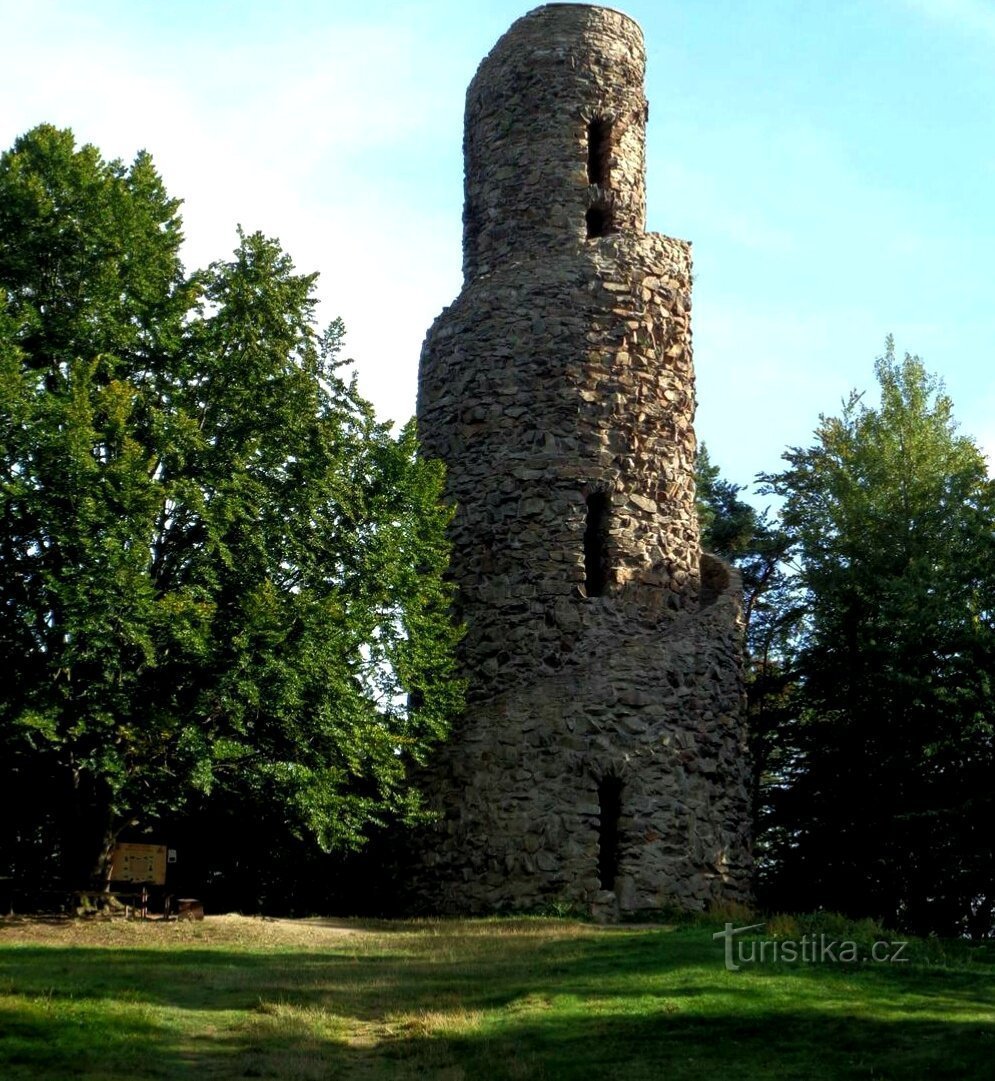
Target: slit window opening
<point>599,152</point>
<point>596,563</point>
<point>610,806</point>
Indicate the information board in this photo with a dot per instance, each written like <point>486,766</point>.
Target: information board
<point>139,863</point>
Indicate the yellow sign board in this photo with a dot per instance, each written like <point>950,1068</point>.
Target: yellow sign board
<point>139,863</point>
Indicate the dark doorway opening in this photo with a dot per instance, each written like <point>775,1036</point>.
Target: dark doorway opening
<point>599,221</point>
<point>596,543</point>
<point>599,152</point>
<point>610,804</point>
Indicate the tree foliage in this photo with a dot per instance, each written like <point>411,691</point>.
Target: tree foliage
<point>882,804</point>
<point>757,545</point>
<point>219,572</point>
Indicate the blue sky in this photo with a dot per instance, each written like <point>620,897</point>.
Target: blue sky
<point>833,163</point>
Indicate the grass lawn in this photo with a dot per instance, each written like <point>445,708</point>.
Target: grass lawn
<point>234,997</point>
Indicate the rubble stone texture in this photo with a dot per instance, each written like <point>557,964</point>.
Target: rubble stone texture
<point>601,761</point>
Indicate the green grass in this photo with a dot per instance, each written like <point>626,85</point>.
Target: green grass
<point>486,999</point>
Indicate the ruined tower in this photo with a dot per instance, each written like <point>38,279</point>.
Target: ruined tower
<point>601,760</point>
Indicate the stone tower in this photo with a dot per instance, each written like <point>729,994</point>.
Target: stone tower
<point>601,760</point>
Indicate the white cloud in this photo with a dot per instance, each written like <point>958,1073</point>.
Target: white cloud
<point>344,141</point>
<point>969,16</point>
<point>278,136</point>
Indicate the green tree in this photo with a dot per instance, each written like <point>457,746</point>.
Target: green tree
<point>883,810</point>
<point>749,539</point>
<point>220,573</point>
<point>729,525</point>
<point>758,547</point>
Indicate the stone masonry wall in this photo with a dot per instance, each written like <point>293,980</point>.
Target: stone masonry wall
<point>526,186</point>
<point>601,760</point>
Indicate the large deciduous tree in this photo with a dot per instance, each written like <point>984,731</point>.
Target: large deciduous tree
<point>888,804</point>
<point>219,572</point>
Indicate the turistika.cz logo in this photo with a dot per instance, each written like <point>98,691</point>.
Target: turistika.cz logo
<point>821,949</point>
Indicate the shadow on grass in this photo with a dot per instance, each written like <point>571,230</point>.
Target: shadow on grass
<point>478,971</point>
<point>641,1004</point>
<point>656,1043</point>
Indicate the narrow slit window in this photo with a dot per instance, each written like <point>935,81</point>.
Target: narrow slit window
<point>599,152</point>
<point>610,807</point>
<point>596,544</point>
<point>599,222</point>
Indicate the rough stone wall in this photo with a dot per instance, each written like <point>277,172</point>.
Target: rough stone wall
<point>525,139</point>
<point>559,390</point>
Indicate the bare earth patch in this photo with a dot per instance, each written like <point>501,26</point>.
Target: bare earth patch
<point>232,929</point>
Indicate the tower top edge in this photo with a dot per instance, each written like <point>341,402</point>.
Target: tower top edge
<point>579,9</point>
<point>593,27</point>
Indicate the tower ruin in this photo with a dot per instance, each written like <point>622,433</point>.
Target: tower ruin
<point>601,760</point>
